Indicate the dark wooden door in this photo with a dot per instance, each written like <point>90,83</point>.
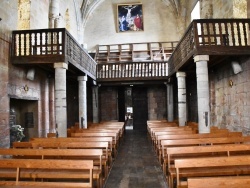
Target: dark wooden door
<point>140,108</point>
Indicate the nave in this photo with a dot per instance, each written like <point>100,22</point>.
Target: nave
<point>136,164</point>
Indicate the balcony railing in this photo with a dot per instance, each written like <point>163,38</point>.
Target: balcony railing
<point>50,46</point>
<point>211,37</point>
<point>132,71</point>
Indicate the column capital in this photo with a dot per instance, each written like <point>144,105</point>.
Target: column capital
<point>180,74</point>
<point>201,58</point>
<point>61,65</point>
<point>82,78</point>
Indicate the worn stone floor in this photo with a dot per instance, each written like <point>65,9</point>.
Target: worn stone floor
<point>136,165</point>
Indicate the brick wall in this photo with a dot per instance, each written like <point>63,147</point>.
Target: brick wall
<point>157,102</point>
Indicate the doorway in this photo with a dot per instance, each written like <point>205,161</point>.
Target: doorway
<point>140,108</point>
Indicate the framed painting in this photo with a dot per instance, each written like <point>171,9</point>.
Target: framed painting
<point>130,17</point>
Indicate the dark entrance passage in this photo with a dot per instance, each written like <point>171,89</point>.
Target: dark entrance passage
<point>140,108</point>
<point>136,164</point>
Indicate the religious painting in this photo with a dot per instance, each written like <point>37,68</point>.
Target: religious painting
<point>130,17</point>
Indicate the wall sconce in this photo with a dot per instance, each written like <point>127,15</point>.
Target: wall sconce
<point>231,83</point>
<point>26,88</point>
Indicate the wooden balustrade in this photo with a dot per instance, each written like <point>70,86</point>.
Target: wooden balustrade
<point>211,37</point>
<point>46,46</point>
<point>132,70</point>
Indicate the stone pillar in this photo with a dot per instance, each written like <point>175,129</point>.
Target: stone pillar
<point>61,98</point>
<point>45,108</point>
<point>170,102</point>
<point>95,104</point>
<point>182,105</point>
<point>52,126</point>
<point>82,81</point>
<point>203,93</point>
<point>53,12</point>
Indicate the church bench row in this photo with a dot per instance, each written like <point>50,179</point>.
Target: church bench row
<point>73,139</point>
<point>109,125</point>
<point>219,182</point>
<point>77,154</point>
<point>165,133</point>
<point>215,133</point>
<point>199,142</point>
<point>211,166</point>
<point>168,140</point>
<point>155,132</point>
<point>100,134</point>
<point>106,157</point>
<point>58,173</point>
<point>174,153</point>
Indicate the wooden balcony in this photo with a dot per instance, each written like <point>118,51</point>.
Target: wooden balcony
<point>221,39</point>
<point>132,71</point>
<point>133,61</point>
<point>45,47</point>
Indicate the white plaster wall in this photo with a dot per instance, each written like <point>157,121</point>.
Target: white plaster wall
<point>159,25</point>
<point>73,6</point>
<point>39,11</point>
<point>8,13</point>
<point>39,15</point>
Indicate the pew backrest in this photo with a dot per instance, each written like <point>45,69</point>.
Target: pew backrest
<point>52,165</point>
<point>210,162</point>
<point>220,182</point>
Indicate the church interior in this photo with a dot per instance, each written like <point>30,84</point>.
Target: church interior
<point>146,93</point>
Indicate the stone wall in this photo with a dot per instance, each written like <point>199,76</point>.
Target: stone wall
<point>227,9</point>
<point>231,104</point>
<point>8,15</point>
<point>157,102</point>
<point>108,103</point>
<point>26,14</point>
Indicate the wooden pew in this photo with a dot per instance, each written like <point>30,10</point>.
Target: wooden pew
<point>211,166</point>
<point>80,139</point>
<point>78,145</point>
<point>21,145</point>
<point>170,132</point>
<point>98,134</point>
<point>155,132</point>
<point>191,136</point>
<point>220,182</point>
<point>112,124</point>
<point>174,153</point>
<point>57,171</point>
<point>202,141</point>
<point>78,154</point>
<point>95,130</point>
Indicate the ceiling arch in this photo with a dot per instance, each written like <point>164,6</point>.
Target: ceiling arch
<point>87,8</point>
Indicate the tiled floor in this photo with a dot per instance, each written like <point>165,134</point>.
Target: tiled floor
<point>136,165</point>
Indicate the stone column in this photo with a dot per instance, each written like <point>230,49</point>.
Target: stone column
<point>170,102</point>
<point>203,93</point>
<point>52,125</point>
<point>182,105</point>
<point>95,104</point>
<point>61,98</point>
<point>82,82</point>
<point>53,12</point>
<point>45,107</point>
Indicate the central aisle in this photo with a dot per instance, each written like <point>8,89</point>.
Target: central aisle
<point>136,165</point>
